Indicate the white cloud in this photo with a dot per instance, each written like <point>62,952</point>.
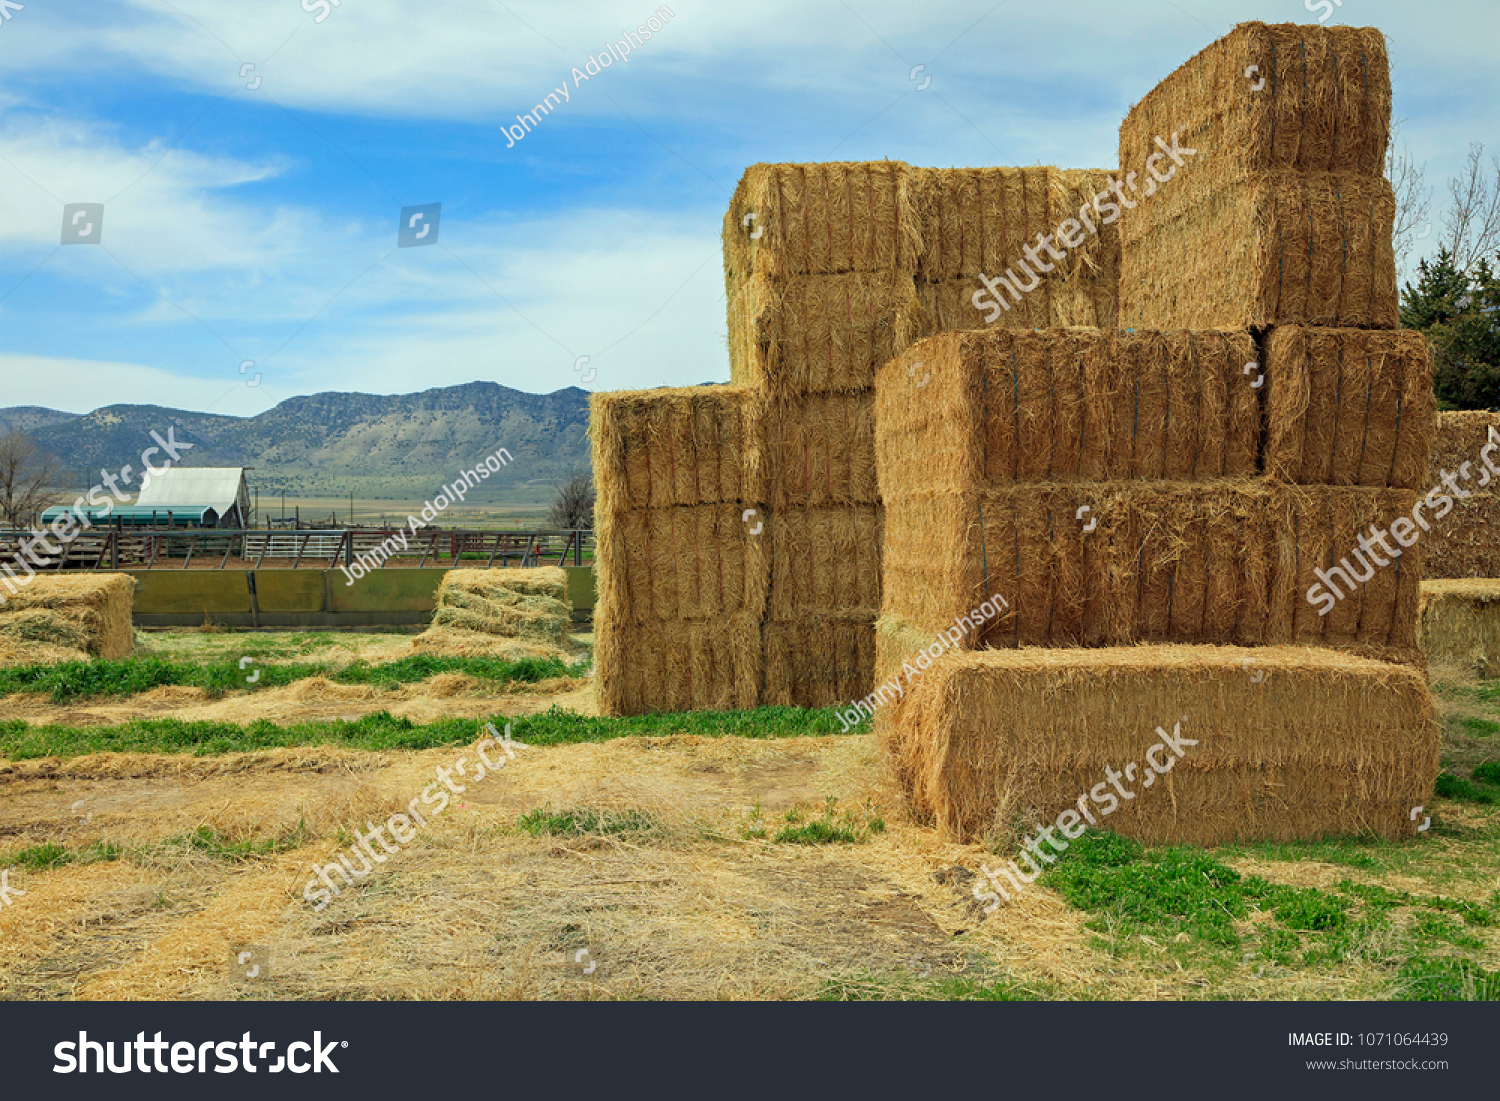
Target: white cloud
<point>81,386</point>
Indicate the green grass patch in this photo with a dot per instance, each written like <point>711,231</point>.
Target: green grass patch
<point>75,680</point>
<point>42,858</point>
<point>379,731</point>
<point>382,731</point>
<point>1348,852</point>
<point>1471,725</point>
<point>1446,980</point>
<point>578,821</point>
<point>1183,888</point>
<point>1486,773</point>
<point>214,844</point>
<point>948,988</point>
<point>1450,786</point>
<point>556,726</point>
<point>846,828</point>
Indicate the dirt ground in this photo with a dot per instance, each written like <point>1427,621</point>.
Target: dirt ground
<point>684,907</point>
<point>684,901</point>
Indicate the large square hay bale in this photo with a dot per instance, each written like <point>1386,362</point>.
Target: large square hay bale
<point>683,563</point>
<point>1465,539</point>
<point>979,220</point>
<point>1348,407</point>
<point>1460,624</point>
<point>66,617</point>
<point>818,660</point>
<point>1458,438</point>
<point>825,561</point>
<point>820,219</point>
<point>1318,531</point>
<point>803,334</point>
<point>1110,564</point>
<point>1278,96</point>
<point>697,445</point>
<point>1290,743</point>
<point>1242,250</point>
<point>820,450</point>
<point>988,409</point>
<point>676,665</point>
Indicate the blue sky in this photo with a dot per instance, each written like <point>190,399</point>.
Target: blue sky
<point>260,224</point>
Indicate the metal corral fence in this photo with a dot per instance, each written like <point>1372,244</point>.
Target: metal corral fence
<point>224,548</point>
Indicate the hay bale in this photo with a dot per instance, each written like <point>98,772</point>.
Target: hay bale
<point>1458,438</point>
<point>1460,624</point>
<point>1317,530</point>
<point>1243,250</point>
<point>1348,407</point>
<point>981,219</point>
<point>1116,563</point>
<point>682,563</point>
<point>1087,291</point>
<point>988,409</point>
<point>1464,542</point>
<point>676,665</point>
<point>1325,105</point>
<point>803,334</point>
<point>67,617</point>
<point>818,660</point>
<point>1292,744</point>
<point>820,219</point>
<point>526,604</point>
<point>695,445</point>
<point>820,450</point>
<point>948,307</point>
<point>825,561</point>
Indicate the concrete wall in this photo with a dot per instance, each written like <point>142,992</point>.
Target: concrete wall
<point>306,598</point>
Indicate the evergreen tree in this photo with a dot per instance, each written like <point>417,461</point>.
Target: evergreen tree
<point>1460,314</point>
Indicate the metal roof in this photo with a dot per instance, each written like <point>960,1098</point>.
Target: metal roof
<point>104,515</point>
<point>215,486</point>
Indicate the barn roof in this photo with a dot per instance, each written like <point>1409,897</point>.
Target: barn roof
<point>218,488</point>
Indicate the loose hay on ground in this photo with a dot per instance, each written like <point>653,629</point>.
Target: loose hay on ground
<point>476,607</point>
<point>66,618</point>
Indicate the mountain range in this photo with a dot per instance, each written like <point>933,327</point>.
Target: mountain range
<point>399,447</point>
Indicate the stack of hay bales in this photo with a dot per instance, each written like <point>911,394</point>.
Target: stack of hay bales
<point>70,617</point>
<point>819,262</point>
<point>1160,508</point>
<point>502,613</point>
<point>682,582</point>
<point>767,487</point>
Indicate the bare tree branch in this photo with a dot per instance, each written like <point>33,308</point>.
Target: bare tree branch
<point>573,506</point>
<point>27,478</point>
<point>1474,219</point>
<point>1413,197</point>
